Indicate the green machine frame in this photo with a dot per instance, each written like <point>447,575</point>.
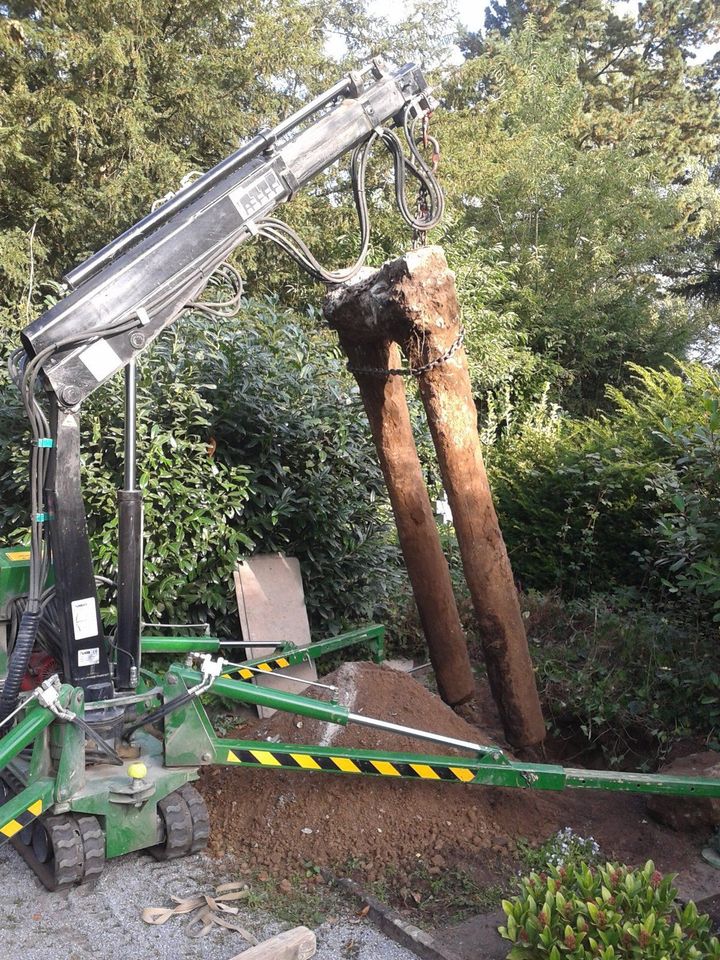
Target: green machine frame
<point>54,777</point>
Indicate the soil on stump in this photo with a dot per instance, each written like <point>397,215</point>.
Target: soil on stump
<point>283,822</point>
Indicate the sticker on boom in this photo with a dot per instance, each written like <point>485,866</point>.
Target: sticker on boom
<point>22,820</point>
<point>377,767</point>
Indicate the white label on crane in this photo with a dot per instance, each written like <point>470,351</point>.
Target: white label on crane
<point>250,198</point>
<point>86,658</point>
<point>84,617</point>
<point>101,360</point>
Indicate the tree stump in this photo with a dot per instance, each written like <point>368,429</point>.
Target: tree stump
<point>413,302</point>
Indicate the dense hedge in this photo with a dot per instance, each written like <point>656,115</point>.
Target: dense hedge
<point>292,469</point>
<point>629,498</point>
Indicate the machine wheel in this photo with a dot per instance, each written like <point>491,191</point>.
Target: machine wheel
<point>176,828</point>
<point>93,841</point>
<point>26,835</point>
<point>198,815</point>
<point>59,846</point>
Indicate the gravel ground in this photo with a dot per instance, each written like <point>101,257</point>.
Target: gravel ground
<point>101,922</point>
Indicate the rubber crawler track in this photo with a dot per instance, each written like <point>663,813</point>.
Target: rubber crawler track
<point>67,848</point>
<point>177,821</point>
<point>198,815</point>
<point>93,841</point>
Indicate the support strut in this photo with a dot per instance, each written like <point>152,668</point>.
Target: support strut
<point>189,740</point>
<point>130,523</point>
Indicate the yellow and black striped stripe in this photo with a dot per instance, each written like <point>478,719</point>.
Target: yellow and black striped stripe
<point>267,666</point>
<point>339,764</point>
<point>11,827</point>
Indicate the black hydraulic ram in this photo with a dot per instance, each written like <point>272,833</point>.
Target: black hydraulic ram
<point>129,574</point>
<point>121,299</point>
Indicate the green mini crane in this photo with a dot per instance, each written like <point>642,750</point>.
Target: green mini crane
<point>98,754</point>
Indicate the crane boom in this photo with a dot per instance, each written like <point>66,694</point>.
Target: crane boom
<point>121,299</point>
<point>153,270</point>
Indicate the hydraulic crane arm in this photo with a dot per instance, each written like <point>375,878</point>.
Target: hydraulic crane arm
<point>121,299</point>
<point>126,294</point>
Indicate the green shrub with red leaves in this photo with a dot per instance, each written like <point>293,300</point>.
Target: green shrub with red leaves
<point>605,913</point>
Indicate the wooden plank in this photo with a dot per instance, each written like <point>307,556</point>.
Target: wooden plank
<point>296,944</point>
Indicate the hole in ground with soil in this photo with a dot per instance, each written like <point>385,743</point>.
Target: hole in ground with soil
<point>406,834</point>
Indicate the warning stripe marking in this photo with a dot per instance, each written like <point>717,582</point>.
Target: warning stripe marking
<point>11,828</point>
<point>18,556</point>
<point>383,768</point>
<point>265,758</point>
<point>307,763</point>
<point>462,773</point>
<point>22,820</point>
<point>345,764</point>
<point>280,663</point>
<point>424,771</point>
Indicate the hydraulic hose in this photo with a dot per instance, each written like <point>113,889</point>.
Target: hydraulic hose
<point>19,660</point>
<point>158,713</point>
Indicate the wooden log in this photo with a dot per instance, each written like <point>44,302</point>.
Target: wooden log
<point>413,301</point>
<point>387,412</point>
<point>296,944</point>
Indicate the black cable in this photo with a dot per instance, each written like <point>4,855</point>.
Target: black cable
<point>288,240</point>
<point>49,636</point>
<point>227,277</point>
<point>113,756</point>
<point>285,237</point>
<point>428,175</point>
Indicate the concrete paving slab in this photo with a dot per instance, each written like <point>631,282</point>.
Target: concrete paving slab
<point>271,606</point>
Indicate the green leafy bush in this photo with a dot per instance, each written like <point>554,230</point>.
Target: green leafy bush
<point>608,913</point>
<point>617,520</point>
<point>623,680</point>
<point>580,501</point>
<point>292,470</point>
<point>685,555</point>
<point>285,407</point>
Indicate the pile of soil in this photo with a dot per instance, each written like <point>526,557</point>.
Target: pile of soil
<point>283,821</point>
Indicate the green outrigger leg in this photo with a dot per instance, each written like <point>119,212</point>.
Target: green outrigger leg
<point>191,740</point>
<point>285,655</point>
<point>17,811</point>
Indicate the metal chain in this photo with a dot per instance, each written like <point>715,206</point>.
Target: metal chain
<point>412,371</point>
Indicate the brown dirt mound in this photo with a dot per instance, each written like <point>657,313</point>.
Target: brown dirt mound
<point>385,694</point>
<point>282,821</point>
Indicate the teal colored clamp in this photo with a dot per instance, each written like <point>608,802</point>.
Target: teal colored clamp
<point>41,517</point>
<point>44,442</point>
